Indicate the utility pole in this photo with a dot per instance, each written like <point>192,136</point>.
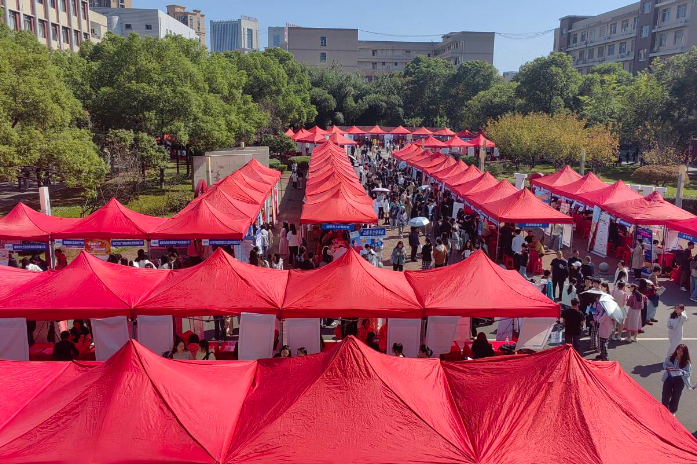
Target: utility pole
<point>482,157</point>
<point>583,161</point>
<point>682,175</point>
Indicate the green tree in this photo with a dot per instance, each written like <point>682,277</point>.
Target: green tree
<point>279,144</point>
<point>602,94</point>
<point>339,97</point>
<point>42,125</point>
<point>642,122</point>
<point>384,101</point>
<point>471,78</point>
<point>424,89</point>
<point>489,104</point>
<point>548,84</point>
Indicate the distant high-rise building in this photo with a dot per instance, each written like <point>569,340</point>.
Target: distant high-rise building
<point>632,35</point>
<point>194,19</point>
<point>237,34</point>
<point>60,25</point>
<point>145,22</point>
<point>111,3</point>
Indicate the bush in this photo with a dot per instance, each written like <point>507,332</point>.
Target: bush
<point>278,143</point>
<point>495,169</point>
<point>274,163</point>
<point>281,167</point>
<point>303,162</point>
<point>655,174</point>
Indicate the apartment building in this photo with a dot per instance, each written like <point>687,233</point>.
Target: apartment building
<point>278,36</point>
<point>146,22</point>
<point>324,46</point>
<point>377,57</point>
<point>632,35</point>
<point>58,24</point>
<point>194,19</point>
<point>237,34</point>
<point>111,3</point>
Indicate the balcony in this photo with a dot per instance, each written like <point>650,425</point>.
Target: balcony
<point>668,50</point>
<point>663,3</point>
<point>671,24</point>
<point>602,40</point>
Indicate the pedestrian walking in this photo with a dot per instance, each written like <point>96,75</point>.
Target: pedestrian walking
<point>638,258</point>
<point>635,304</point>
<point>573,323</point>
<point>675,327</point>
<point>414,243</point>
<point>427,254</point>
<point>676,377</point>
<point>399,256</point>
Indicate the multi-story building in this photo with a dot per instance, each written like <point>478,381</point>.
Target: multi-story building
<point>632,35</point>
<point>145,22</point>
<point>111,3</point>
<point>59,24</point>
<point>508,76</point>
<point>237,34</point>
<point>327,46</point>
<point>194,19</point>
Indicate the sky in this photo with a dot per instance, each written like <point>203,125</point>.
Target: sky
<point>412,18</point>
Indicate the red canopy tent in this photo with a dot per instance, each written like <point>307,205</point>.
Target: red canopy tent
<point>336,130</point>
<point>399,130</point>
<point>219,285</point>
<point>289,132</point>
<point>23,223</point>
<point>202,221</point>
<point>449,291</point>
<point>217,198</point>
<point>87,288</point>
<point>649,210</point>
<point>456,170</point>
<point>341,140</point>
<point>374,292</point>
<point>112,220</point>
<point>445,163</point>
<point>375,130</point>
<point>318,130</point>
<point>445,132</point>
<point>338,206</point>
<point>421,131</point>
<point>456,142</point>
<point>262,173</point>
<point>313,137</point>
<point>686,226</point>
<point>614,193</point>
<point>432,142</point>
<point>480,142</point>
<point>574,190</point>
<point>353,130</point>
<point>407,150</point>
<point>471,172</point>
<point>300,134</point>
<point>465,134</point>
<point>474,184</point>
<point>524,207</point>
<point>499,191</point>
<point>564,176</point>
<point>11,278</point>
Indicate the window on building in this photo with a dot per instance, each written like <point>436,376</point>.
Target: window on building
<point>583,36</point>
<point>592,35</point>
<point>76,37</point>
<point>636,23</point>
<point>66,36</point>
<point>581,55</point>
<point>128,27</point>
<point>75,11</point>
<point>276,40</point>
<point>42,29</point>
<point>14,21</point>
<point>601,52</point>
<point>623,47</point>
<point>148,27</point>
<point>62,5</point>
<point>645,31</point>
<point>28,23</point>
<point>647,7</point>
<point>396,64</point>
<point>574,39</point>
<point>322,41</point>
<point>563,31</point>
<point>323,58</point>
<point>613,28</point>
<point>677,38</point>
<point>375,53</point>
<point>86,37</point>
<point>374,65</point>
<point>54,32</point>
<point>682,11</point>
<point>250,39</point>
<point>625,26</point>
<point>601,32</point>
<point>53,4</point>
<point>85,9</point>
<point>662,39</point>
<point>591,53</point>
<point>642,55</point>
<point>611,50</point>
<point>665,15</point>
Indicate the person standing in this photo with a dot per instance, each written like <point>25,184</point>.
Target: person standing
<point>398,257</point>
<point>676,377</point>
<point>573,324</point>
<point>414,243</point>
<point>402,220</point>
<point>293,241</point>
<point>620,297</point>
<point>638,258</point>
<point>557,232</point>
<point>635,304</point>
<point>675,327</point>
<point>560,271</point>
<point>606,325</point>
<point>283,240</point>
<point>294,180</point>
<point>440,254</point>
<point>685,262</point>
<point>426,254</point>
<point>517,249</point>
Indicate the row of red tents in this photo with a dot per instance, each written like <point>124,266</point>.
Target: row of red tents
<point>617,199</point>
<point>302,134</point>
<point>499,201</point>
<point>348,287</point>
<point>333,193</point>
<point>350,404</point>
<point>225,211</point>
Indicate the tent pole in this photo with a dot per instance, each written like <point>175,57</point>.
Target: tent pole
<point>498,235</point>
<point>281,341</point>
<point>663,254</point>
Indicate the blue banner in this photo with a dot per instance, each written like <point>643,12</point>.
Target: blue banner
<point>337,226</point>
<point>212,242</point>
<point>374,232</point>
<point>71,243</point>
<point>168,243</point>
<point>532,225</point>
<point>688,237</point>
<point>35,246</point>
<point>128,243</point>
<point>624,223</point>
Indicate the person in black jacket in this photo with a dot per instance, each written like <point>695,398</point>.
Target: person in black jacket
<point>414,243</point>
<point>560,271</point>
<point>481,348</point>
<point>65,350</point>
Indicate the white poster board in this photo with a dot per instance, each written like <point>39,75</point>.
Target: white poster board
<point>464,331</point>
<point>602,233</point>
<point>156,333</point>
<point>470,151</point>
<point>567,230</point>
<point>303,333</point>
<point>256,336</point>
<point>407,332</point>
<point>520,180</point>
<point>504,329</point>
<point>534,332</point>
<point>440,333</point>
<point>14,344</point>
<point>671,239</point>
<point>457,206</point>
<point>110,334</point>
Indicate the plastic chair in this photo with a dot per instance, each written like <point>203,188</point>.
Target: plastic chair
<point>508,262</point>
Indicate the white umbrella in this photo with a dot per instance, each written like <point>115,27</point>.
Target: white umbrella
<point>380,189</point>
<point>418,222</point>
<point>423,187</point>
<point>612,308</point>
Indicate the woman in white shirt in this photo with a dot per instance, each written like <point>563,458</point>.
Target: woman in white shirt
<point>675,324</point>
<point>277,262</point>
<point>293,241</point>
<point>569,292</point>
